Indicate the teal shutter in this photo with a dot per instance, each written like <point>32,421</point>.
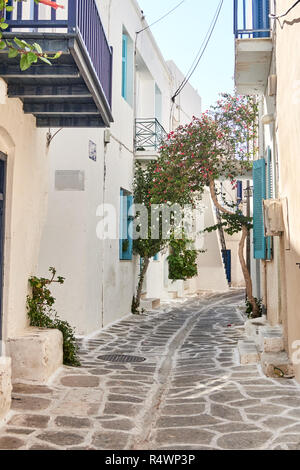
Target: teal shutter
<point>259,194</point>
<point>126,241</point>
<point>270,194</point>
<point>124,66</point>
<point>128,254</point>
<point>156,257</point>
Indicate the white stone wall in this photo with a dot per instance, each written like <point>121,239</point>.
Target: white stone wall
<point>26,200</point>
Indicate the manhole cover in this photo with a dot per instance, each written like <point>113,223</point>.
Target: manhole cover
<point>121,358</point>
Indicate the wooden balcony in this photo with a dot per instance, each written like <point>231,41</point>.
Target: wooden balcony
<point>76,90</point>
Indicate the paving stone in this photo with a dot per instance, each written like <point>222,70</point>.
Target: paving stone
<point>266,409</point>
<point>80,381</point>
<point>185,421</point>
<point>278,422</point>
<point>120,424</point>
<point>225,412</point>
<point>226,397</point>
<point>124,409</point>
<point>244,440</point>
<point>41,447</point>
<point>61,438</point>
<point>11,443</point>
<point>29,421</point>
<point>245,403</point>
<point>29,403</point>
<point>124,398</point>
<point>11,430</point>
<point>182,409</point>
<point>184,436</point>
<point>71,422</point>
<point>31,389</point>
<point>110,440</point>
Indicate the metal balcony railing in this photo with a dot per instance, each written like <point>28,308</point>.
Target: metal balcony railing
<point>251,18</point>
<point>149,134</point>
<point>81,19</point>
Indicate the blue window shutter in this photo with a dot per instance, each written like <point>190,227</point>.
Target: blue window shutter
<point>259,194</point>
<point>260,17</point>
<point>128,254</point>
<point>239,192</point>
<point>270,196</point>
<point>121,223</point>
<point>124,66</point>
<point>156,257</point>
<point>126,227</point>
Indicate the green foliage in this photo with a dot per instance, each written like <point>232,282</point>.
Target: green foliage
<point>232,223</point>
<point>42,315</point>
<point>220,143</point>
<point>182,260</point>
<point>249,307</point>
<point>29,53</point>
<point>146,247</point>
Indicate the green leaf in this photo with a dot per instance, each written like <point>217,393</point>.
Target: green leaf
<point>2,45</point>
<point>24,62</point>
<point>45,60</point>
<point>12,53</point>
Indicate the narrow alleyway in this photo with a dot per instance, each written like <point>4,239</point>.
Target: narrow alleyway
<point>189,393</point>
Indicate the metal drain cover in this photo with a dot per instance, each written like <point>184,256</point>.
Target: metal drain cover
<point>121,358</point>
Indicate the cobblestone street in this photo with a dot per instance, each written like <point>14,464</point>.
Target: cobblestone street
<point>190,393</point>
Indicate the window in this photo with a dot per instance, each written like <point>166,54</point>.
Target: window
<point>127,68</point>
<point>124,65</point>
<point>126,201</point>
<point>239,192</point>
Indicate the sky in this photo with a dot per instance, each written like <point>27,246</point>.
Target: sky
<point>180,35</point>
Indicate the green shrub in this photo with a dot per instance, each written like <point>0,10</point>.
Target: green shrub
<point>42,315</point>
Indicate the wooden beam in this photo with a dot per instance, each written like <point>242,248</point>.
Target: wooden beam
<point>39,71</point>
<point>70,121</point>
<point>46,91</point>
<point>60,108</point>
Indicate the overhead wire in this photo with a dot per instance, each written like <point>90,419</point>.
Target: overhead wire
<point>162,17</point>
<point>276,17</point>
<point>201,51</point>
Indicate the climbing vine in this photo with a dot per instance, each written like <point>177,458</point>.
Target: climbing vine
<point>41,312</point>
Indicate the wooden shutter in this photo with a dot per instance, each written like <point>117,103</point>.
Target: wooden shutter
<point>270,195</point>
<point>260,17</point>
<point>259,194</point>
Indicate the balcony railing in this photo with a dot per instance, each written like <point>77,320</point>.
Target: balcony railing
<point>149,134</point>
<point>251,19</point>
<point>80,22</point>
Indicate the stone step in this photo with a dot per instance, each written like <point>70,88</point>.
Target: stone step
<point>172,295</point>
<point>150,304</point>
<point>280,360</point>
<point>253,326</point>
<point>271,339</point>
<point>248,352</point>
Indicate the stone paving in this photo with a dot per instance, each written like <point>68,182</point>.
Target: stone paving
<point>190,393</point>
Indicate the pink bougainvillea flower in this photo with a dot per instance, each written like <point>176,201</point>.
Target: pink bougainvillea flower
<point>51,4</point>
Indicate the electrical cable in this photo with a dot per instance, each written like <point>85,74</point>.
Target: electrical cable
<point>201,51</point>
<point>274,17</point>
<point>164,16</point>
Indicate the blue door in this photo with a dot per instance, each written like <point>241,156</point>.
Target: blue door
<point>2,209</point>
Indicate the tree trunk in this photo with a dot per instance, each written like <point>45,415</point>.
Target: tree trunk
<point>137,299</point>
<point>247,277</point>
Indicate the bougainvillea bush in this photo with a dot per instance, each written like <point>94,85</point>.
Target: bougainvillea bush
<point>221,143</point>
